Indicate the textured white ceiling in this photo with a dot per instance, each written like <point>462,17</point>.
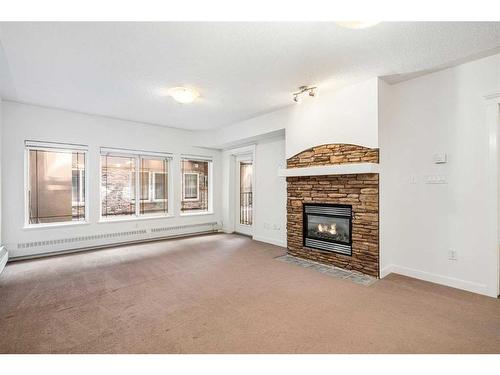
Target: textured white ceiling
<point>241,69</point>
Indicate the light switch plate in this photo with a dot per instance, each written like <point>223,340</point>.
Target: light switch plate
<point>440,158</point>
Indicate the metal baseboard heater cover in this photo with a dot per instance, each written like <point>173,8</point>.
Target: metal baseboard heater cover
<point>115,238</point>
<point>4,257</point>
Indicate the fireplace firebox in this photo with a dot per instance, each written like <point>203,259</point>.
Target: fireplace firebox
<point>328,227</point>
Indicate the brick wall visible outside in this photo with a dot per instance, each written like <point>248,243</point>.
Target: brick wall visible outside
<point>201,168</point>
<point>360,190</point>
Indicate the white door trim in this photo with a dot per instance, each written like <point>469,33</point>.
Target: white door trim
<point>229,161</point>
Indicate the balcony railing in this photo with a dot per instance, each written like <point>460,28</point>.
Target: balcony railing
<point>246,208</point>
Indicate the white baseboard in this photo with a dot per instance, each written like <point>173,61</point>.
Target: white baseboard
<point>386,271</point>
<point>272,241</point>
<point>469,286</point>
<point>4,257</point>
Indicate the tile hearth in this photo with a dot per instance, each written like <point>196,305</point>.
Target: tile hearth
<point>339,273</point>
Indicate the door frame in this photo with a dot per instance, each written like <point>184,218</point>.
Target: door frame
<point>238,227</point>
<point>228,204</point>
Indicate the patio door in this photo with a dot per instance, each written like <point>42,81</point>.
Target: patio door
<point>244,195</point>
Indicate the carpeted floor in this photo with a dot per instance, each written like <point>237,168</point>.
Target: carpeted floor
<point>227,294</point>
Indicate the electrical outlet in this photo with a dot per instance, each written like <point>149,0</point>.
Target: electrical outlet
<point>452,255</point>
<point>435,179</point>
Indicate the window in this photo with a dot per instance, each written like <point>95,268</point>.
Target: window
<point>154,185</point>
<point>196,175</point>
<point>159,183</point>
<point>78,186</point>
<point>191,186</point>
<point>145,185</point>
<point>122,175</point>
<point>118,185</point>
<point>55,183</point>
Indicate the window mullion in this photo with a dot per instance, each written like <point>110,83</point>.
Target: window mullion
<point>150,186</point>
<point>138,160</point>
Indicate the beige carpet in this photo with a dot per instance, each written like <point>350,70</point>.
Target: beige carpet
<point>227,294</point>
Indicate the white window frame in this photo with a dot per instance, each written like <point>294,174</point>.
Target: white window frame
<point>30,145</point>
<point>136,155</point>
<point>184,174</point>
<point>209,159</point>
<point>152,184</point>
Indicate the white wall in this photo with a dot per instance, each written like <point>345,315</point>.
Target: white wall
<point>22,122</point>
<point>440,112</point>
<point>270,190</point>
<point>3,251</point>
<point>348,115</point>
<point>410,121</point>
<point>1,134</point>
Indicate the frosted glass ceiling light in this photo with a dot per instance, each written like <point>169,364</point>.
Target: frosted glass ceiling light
<point>357,24</point>
<point>184,95</point>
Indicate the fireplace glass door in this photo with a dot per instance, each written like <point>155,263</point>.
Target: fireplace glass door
<point>328,227</point>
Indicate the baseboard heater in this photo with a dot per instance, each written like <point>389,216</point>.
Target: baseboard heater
<point>4,257</point>
<point>154,234</point>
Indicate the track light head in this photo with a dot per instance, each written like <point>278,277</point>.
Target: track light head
<point>310,90</point>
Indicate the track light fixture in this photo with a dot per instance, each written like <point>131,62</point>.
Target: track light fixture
<point>312,91</point>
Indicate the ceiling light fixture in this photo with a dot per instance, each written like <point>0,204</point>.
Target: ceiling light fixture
<point>312,91</point>
<point>357,24</point>
<point>183,95</point>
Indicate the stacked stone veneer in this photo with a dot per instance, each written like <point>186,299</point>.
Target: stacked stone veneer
<point>359,190</point>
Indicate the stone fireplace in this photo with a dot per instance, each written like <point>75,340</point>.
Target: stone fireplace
<point>333,218</point>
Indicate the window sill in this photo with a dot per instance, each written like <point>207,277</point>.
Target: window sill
<point>54,225</point>
<point>197,213</point>
<point>139,218</point>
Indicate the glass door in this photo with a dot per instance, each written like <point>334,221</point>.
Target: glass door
<point>246,172</point>
<point>244,195</point>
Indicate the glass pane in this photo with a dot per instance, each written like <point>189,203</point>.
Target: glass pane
<point>144,176</point>
<point>328,228</point>
<point>154,177</point>
<point>195,185</point>
<point>246,170</point>
<point>55,186</point>
<point>118,185</point>
<point>191,186</point>
<point>160,185</point>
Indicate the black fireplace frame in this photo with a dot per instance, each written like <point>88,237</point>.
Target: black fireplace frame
<point>333,205</point>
